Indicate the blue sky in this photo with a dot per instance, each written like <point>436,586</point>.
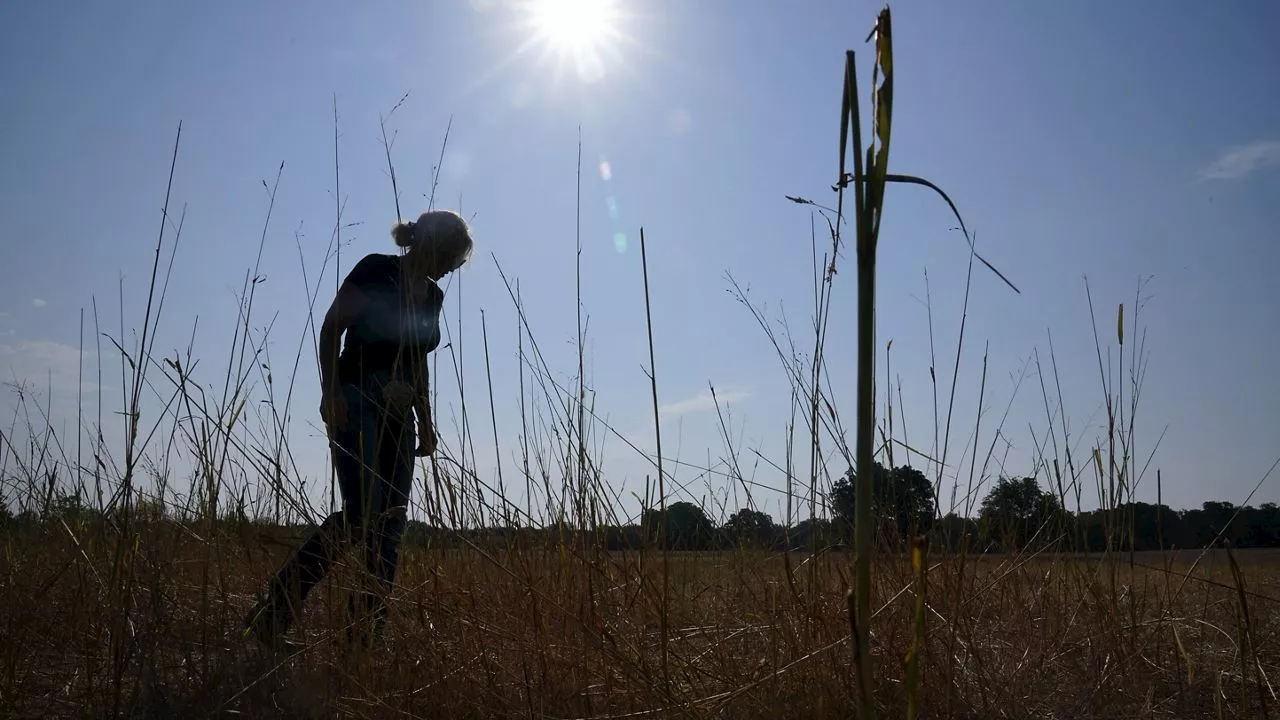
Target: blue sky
<point>1117,142</point>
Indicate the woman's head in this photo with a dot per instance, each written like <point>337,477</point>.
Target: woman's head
<point>438,242</point>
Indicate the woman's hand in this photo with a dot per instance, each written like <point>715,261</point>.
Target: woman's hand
<point>333,410</point>
<point>422,409</point>
<point>398,394</point>
<point>426,438</point>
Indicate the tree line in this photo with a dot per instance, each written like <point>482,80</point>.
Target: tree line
<point>1015,514</point>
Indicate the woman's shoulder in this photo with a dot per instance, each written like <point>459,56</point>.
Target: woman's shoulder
<point>375,268</point>
<point>379,261</point>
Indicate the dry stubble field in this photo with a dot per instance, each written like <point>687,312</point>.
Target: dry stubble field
<point>559,632</point>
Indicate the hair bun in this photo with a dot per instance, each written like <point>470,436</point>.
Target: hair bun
<point>402,233</point>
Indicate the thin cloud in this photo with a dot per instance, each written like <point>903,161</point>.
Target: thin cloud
<point>39,303</point>
<point>43,362</point>
<point>703,402</point>
<point>1242,161</point>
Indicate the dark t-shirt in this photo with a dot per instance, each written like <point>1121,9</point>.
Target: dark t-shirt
<point>396,329</point>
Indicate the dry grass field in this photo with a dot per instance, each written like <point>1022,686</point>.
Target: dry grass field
<point>559,632</point>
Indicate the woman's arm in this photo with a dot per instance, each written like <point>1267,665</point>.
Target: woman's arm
<point>422,408</point>
<point>342,313</point>
<point>422,391</point>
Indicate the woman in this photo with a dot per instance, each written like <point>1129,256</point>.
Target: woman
<point>389,309</point>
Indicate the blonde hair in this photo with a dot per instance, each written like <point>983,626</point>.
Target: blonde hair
<point>441,233</point>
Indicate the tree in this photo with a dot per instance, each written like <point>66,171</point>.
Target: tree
<point>1015,509</point>
<point>818,532</point>
<point>749,527</point>
<point>1261,526</point>
<point>1201,526</point>
<point>1152,525</point>
<point>910,496</point>
<point>957,532</point>
<point>688,527</point>
<point>902,500</point>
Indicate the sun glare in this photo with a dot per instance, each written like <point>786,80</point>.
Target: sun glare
<point>576,31</point>
<point>571,25</point>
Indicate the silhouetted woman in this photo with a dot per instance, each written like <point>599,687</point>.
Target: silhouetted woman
<point>389,310</point>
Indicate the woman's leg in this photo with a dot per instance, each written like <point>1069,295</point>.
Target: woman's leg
<point>396,460</point>
<point>354,458</point>
<point>395,479</point>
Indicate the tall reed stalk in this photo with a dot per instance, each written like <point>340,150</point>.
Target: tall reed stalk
<point>868,181</point>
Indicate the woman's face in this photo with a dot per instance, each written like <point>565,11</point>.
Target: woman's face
<point>423,261</point>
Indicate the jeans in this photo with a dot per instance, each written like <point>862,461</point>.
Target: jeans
<point>373,457</point>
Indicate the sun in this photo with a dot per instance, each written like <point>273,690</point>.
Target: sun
<point>572,25</point>
<point>576,31</point>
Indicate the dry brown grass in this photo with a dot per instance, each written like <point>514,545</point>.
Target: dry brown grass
<point>553,633</point>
